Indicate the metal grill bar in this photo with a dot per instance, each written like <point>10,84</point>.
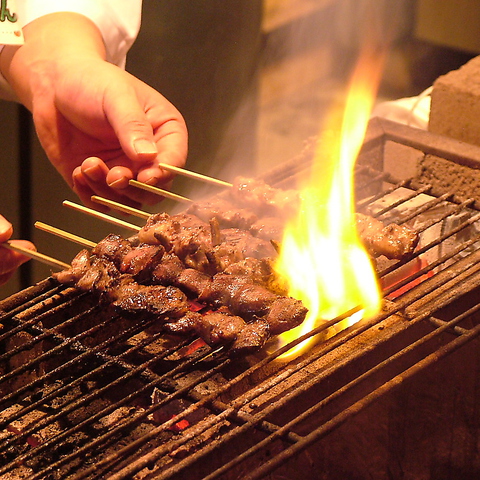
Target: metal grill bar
<point>370,398</point>
<point>252,394</point>
<point>103,373</point>
<point>321,376</point>
<point>164,449</point>
<point>402,306</point>
<point>78,381</point>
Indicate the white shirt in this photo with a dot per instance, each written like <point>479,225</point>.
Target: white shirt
<point>117,20</point>
<point>412,111</point>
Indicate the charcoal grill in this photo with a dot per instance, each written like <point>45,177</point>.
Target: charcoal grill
<point>86,394</point>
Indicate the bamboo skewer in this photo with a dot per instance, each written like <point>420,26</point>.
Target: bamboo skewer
<point>115,221</point>
<point>66,235</point>
<point>83,241</point>
<point>102,216</point>
<point>120,207</point>
<point>37,256</point>
<point>160,191</point>
<point>194,175</point>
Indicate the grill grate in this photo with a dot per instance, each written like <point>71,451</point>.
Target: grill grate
<point>86,394</point>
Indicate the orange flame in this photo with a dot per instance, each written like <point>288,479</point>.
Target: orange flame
<point>322,258</point>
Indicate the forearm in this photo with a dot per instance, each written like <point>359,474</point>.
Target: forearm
<point>52,42</point>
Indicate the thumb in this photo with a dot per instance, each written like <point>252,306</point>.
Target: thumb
<point>132,127</point>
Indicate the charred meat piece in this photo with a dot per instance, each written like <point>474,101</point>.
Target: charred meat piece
<point>239,294</point>
<point>176,257</point>
<point>284,314</point>
<point>192,282</point>
<point>182,233</point>
<point>227,214</point>
<point>220,291</point>
<point>393,241</point>
<point>99,277</point>
<point>79,265</point>
<point>259,270</point>
<point>223,255</point>
<point>167,270</point>
<point>185,235</point>
<point>113,247</point>
<point>238,245</point>
<point>263,199</point>
<point>203,246</point>
<point>268,228</point>
<point>251,301</point>
<point>219,327</point>
<point>162,224</point>
<point>89,273</point>
<point>251,338</point>
<point>248,245</point>
<point>193,240</point>
<point>127,296</point>
<point>142,260</point>
<point>222,328</point>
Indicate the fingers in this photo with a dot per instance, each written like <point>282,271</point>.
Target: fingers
<point>173,151</point>
<point>6,229</point>
<point>172,145</point>
<point>94,177</point>
<point>10,260</point>
<point>90,179</point>
<point>119,180</point>
<point>156,176</point>
<point>85,185</point>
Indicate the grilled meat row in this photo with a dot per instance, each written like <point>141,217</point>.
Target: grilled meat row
<point>238,311</point>
<point>219,255</point>
<point>265,209</point>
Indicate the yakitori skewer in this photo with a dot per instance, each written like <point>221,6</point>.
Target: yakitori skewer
<point>160,191</point>
<point>194,175</point>
<point>66,235</point>
<point>102,216</point>
<point>120,207</point>
<point>80,240</point>
<point>53,262</point>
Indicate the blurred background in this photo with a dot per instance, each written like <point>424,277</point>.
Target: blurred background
<point>253,79</point>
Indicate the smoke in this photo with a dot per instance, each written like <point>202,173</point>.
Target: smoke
<point>278,87</point>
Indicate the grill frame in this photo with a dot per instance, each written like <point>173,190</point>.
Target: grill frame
<point>358,362</point>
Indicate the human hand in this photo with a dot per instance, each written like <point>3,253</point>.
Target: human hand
<point>101,131</point>
<point>99,125</point>
<point>10,260</point>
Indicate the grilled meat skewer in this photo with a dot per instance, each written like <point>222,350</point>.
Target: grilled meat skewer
<point>219,255</point>
<point>245,315</point>
<point>190,239</point>
<point>393,241</point>
<point>272,206</point>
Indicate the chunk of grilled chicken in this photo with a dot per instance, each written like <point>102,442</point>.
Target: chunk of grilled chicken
<point>393,241</point>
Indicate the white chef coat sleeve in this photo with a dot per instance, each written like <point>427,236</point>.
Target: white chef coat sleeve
<point>117,20</point>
